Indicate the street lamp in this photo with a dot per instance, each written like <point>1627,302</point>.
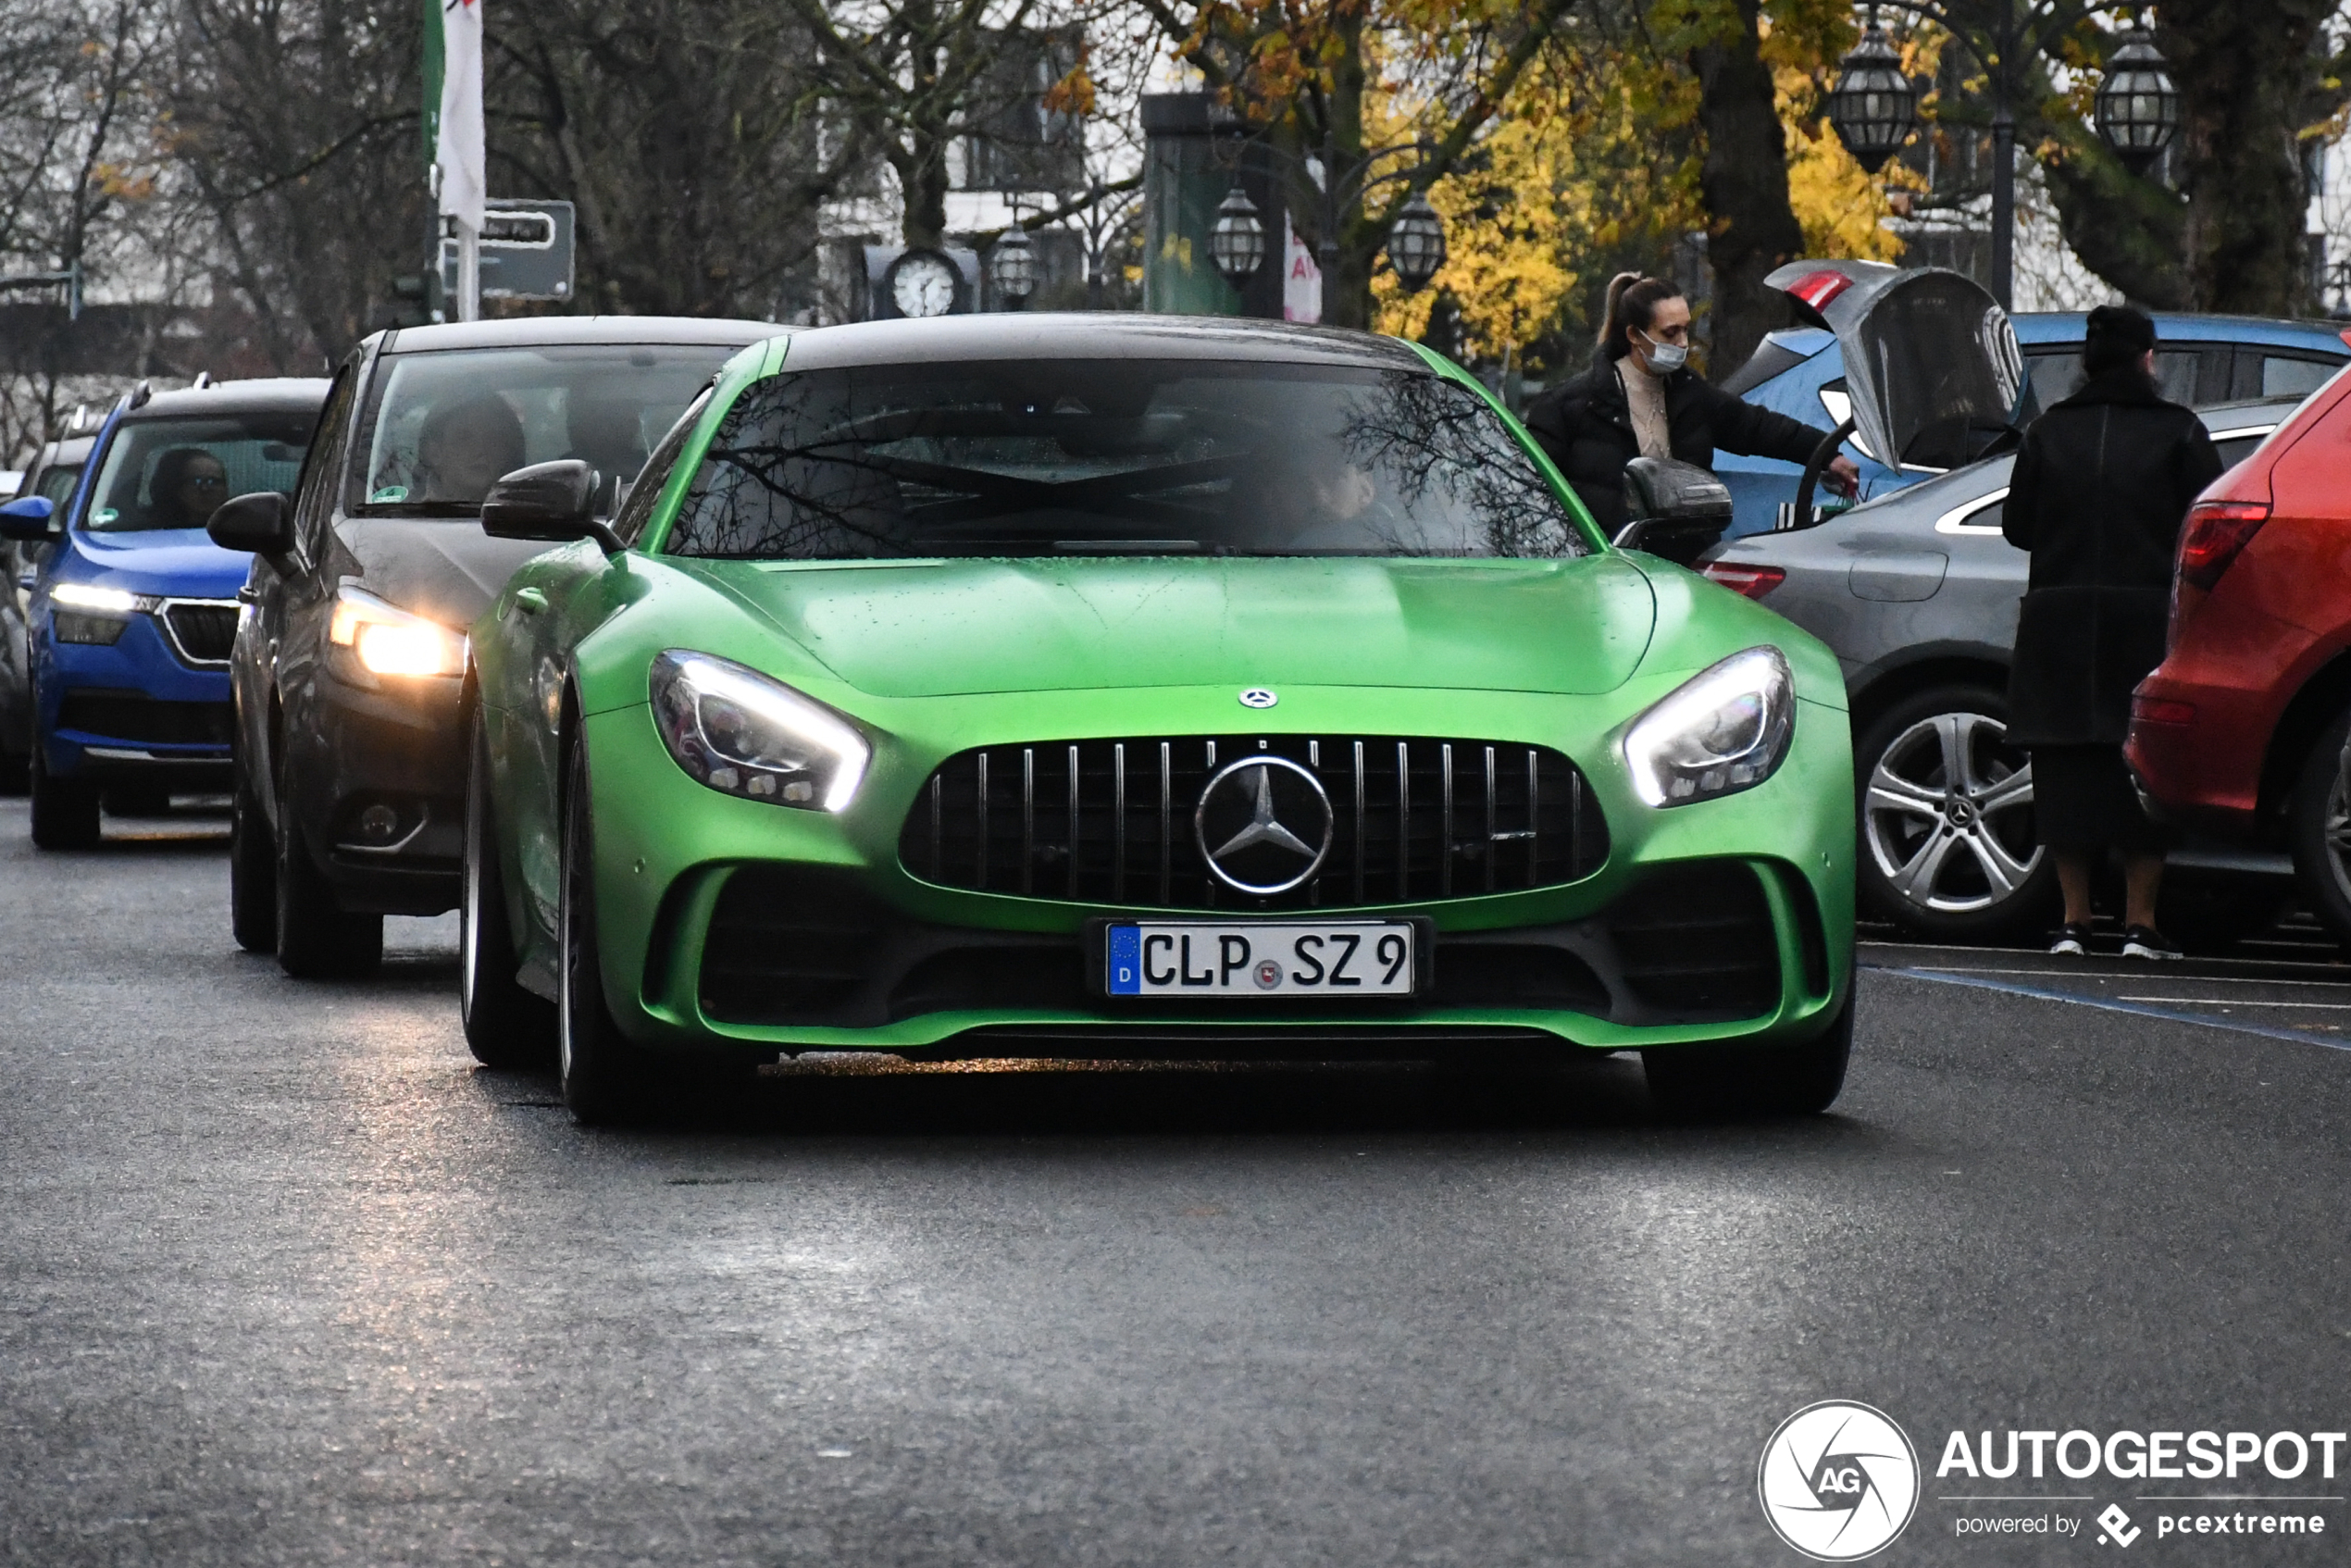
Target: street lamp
<point>1873,109</point>
<point>1237,243</point>
<point>2137,108</point>
<point>1013,264</point>
<point>1416,244</point>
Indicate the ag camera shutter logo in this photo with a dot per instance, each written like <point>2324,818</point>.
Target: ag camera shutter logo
<point>1838,1481</point>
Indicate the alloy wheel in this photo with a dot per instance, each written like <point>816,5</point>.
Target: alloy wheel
<point>1947,814</point>
<point>2337,831</point>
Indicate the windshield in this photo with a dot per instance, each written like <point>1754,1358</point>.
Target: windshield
<point>440,429</point>
<point>1140,457</point>
<point>172,473</point>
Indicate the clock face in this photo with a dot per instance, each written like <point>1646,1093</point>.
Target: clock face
<point>923,283</point>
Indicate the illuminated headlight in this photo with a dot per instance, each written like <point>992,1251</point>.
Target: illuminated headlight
<point>113,600</point>
<point>744,734</point>
<point>1724,729</point>
<point>387,640</point>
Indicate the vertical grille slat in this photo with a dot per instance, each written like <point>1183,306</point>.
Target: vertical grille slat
<point>1395,836</point>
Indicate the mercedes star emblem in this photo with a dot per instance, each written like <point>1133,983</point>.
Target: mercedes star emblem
<point>1258,697</point>
<point>1265,825</point>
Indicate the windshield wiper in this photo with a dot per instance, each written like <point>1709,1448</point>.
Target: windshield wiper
<point>1129,546</point>
<point>418,509</point>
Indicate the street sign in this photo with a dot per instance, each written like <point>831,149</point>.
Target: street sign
<point>526,252</point>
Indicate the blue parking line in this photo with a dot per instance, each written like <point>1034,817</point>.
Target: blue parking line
<point>2138,1009</point>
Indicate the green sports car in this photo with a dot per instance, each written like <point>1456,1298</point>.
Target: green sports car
<point>1092,686</point>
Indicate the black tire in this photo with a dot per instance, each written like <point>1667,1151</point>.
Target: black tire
<point>2318,827</point>
<point>253,870</point>
<point>65,810</point>
<point>1734,1082</point>
<point>16,773</point>
<point>604,1077</point>
<point>1946,846</point>
<point>505,1026</point>
<point>317,938</point>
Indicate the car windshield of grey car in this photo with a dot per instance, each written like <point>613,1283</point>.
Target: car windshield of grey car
<point>1136,457</point>
<point>441,428</point>
<point>172,473</point>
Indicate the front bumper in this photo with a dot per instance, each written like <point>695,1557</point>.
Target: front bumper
<point>379,785</point>
<point>131,711</point>
<point>731,923</point>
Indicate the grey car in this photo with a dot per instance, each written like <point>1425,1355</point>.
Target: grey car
<point>1917,592</point>
<point>54,473</point>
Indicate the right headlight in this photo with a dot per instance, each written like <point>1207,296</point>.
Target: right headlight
<point>741,733</point>
<point>1724,729</point>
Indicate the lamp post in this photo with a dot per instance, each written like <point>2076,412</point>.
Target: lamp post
<point>1415,243</point>
<point>1873,109</point>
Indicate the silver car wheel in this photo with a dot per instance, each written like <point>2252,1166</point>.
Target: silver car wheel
<point>1947,814</point>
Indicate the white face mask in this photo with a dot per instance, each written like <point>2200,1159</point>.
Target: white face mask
<point>1666,358</point>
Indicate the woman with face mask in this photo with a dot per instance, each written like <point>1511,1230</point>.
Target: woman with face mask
<point>1641,399</point>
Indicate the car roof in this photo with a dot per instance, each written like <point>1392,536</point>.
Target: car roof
<point>73,449</point>
<point>1092,335</point>
<point>550,332</point>
<point>280,393</point>
<point>2067,326</point>
<point>2219,416</point>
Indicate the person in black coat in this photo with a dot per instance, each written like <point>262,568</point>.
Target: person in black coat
<point>2101,488</point>
<point>1640,399</point>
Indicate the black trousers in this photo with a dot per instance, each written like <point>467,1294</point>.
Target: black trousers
<point>2082,799</point>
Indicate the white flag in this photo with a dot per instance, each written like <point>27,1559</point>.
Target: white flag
<point>464,178</point>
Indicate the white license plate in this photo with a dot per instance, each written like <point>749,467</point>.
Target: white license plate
<point>1339,959</point>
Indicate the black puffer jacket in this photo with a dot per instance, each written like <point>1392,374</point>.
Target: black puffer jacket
<point>2101,488</point>
<point>1587,427</point>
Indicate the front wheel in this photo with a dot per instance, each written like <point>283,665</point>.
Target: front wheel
<point>253,870</point>
<point>65,810</point>
<point>1800,1079</point>
<point>505,1026</point>
<point>317,938</point>
<point>2319,826</point>
<point>604,1077</point>
<point>1948,851</point>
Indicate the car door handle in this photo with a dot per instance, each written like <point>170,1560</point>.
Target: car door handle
<point>530,601</point>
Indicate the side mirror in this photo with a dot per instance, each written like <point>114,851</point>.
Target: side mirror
<point>260,524</point>
<point>555,501</point>
<point>29,518</point>
<point>1677,510</point>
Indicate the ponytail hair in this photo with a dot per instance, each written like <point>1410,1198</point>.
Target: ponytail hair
<point>1632,301</point>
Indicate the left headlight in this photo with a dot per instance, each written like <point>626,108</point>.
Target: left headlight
<point>742,734</point>
<point>1724,729</point>
<point>387,640</point>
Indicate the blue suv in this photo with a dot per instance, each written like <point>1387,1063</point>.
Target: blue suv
<point>2200,360</point>
<point>132,608</point>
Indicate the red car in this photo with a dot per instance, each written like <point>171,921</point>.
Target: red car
<point>2241,731</point>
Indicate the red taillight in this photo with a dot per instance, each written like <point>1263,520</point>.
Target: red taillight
<point>1741,578</point>
<point>2161,710</point>
<point>1816,288</point>
<point>2216,532</point>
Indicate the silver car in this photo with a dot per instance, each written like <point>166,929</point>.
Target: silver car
<point>1917,592</point>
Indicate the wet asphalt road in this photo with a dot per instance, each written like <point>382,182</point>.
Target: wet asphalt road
<point>285,1279</point>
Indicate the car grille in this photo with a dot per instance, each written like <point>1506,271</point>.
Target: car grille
<point>202,633</point>
<point>129,716</point>
<point>1110,821</point>
<point>806,946</point>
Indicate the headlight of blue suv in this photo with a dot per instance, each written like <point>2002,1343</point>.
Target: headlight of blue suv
<point>98,616</point>
<point>1724,729</point>
<point>736,730</point>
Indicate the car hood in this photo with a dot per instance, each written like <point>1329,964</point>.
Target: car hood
<point>168,563</point>
<point>443,568</point>
<point>943,628</point>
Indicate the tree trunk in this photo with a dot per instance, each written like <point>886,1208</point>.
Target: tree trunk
<point>2244,68</point>
<point>1742,181</point>
<point>1348,295</point>
<point>2128,231</point>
